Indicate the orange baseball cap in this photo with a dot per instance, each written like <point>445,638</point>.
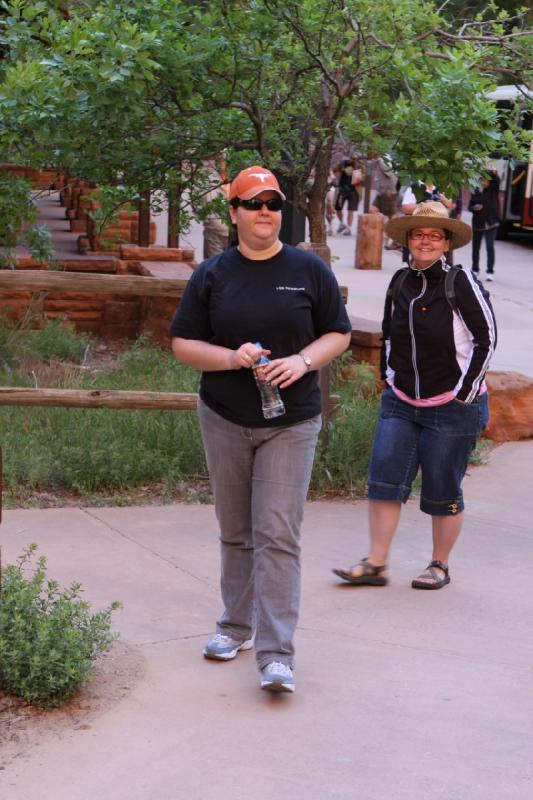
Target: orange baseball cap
<point>252,181</point>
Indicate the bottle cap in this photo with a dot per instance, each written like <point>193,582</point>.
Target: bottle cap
<point>262,360</point>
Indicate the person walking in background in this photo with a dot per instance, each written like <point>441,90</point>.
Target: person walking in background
<point>331,197</point>
<point>216,229</point>
<point>486,216</point>
<point>438,338</point>
<point>386,201</point>
<point>261,292</point>
<point>347,194</point>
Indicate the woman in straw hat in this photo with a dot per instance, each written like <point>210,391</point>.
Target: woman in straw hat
<point>438,338</point>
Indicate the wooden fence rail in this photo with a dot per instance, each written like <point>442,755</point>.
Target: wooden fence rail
<point>98,398</point>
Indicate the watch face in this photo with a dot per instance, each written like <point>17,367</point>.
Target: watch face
<point>306,359</point>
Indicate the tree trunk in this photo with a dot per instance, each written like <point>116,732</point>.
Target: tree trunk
<point>173,232</point>
<point>316,201</point>
<point>144,220</point>
<point>174,221</point>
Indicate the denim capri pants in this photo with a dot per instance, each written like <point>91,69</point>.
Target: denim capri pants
<point>438,439</point>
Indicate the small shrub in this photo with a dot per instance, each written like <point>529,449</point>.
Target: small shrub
<point>342,466</point>
<point>18,222</point>
<point>48,637</point>
<point>58,340</point>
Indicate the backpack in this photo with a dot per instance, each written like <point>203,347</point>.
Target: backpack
<point>394,289</point>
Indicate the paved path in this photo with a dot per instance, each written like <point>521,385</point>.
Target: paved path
<point>400,693</point>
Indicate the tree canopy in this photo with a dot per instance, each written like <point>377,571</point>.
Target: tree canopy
<point>145,91</point>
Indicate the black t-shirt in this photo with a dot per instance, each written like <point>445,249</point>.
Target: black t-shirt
<point>284,302</point>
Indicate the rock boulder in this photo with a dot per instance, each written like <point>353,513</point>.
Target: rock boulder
<point>511,406</point>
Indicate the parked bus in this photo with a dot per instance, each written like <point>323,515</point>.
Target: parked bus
<point>516,177</point>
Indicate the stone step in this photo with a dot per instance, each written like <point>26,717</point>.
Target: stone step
<point>87,264</point>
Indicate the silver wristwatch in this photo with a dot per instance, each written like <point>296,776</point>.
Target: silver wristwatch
<point>307,360</point>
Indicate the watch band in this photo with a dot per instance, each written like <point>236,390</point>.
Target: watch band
<point>307,360</point>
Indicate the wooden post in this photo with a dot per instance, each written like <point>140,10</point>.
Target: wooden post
<point>324,376</point>
<point>369,246</point>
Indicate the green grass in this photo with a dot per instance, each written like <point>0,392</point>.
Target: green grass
<point>122,457</point>
<point>91,451</point>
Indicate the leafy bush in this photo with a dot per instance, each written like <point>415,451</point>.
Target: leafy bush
<point>56,340</point>
<point>48,637</point>
<point>18,222</point>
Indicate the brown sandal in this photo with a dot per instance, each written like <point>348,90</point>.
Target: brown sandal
<point>372,575</point>
<point>436,581</point>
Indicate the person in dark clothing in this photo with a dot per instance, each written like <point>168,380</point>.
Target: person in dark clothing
<point>261,291</point>
<point>485,207</point>
<point>435,355</point>
<point>349,179</point>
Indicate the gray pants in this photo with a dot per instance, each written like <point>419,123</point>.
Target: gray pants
<point>260,478</point>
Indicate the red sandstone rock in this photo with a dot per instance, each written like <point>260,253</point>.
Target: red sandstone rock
<point>15,309</point>
<point>121,312</point>
<point>27,262</point>
<point>511,406</point>
<point>74,316</point>
<point>123,331</point>
<point>88,327</point>
<point>131,252</point>
<point>66,306</point>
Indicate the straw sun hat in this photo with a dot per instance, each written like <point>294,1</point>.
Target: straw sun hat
<point>429,215</point>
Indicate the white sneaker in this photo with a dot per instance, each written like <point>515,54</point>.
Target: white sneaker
<point>489,277</point>
<point>224,648</point>
<point>277,677</point>
<point>341,228</point>
<point>346,232</point>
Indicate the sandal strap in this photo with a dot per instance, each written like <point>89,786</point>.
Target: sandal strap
<point>371,569</point>
<point>440,565</point>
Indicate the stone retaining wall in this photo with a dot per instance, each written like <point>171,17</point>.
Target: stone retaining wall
<point>109,316</point>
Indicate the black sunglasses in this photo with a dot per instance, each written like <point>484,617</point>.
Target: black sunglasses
<point>255,204</point>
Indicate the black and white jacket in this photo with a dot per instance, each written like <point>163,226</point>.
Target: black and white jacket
<point>429,347</point>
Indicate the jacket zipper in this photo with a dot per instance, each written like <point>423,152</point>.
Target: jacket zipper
<point>412,332</point>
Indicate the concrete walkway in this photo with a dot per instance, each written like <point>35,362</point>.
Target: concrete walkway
<point>400,694</point>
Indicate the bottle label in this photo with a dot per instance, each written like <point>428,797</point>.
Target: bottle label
<point>260,375</point>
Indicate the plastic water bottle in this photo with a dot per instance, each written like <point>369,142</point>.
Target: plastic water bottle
<point>271,401</point>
